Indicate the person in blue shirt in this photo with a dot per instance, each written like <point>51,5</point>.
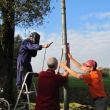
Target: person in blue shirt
<point>28,49</point>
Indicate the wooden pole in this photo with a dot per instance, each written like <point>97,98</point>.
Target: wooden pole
<point>64,44</point>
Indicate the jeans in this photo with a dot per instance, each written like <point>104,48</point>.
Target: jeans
<point>101,103</point>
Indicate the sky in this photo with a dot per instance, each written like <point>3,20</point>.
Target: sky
<point>88,32</point>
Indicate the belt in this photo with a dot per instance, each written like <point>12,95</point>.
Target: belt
<point>97,98</point>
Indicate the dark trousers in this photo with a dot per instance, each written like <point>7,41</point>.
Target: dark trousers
<point>21,72</point>
<point>100,103</point>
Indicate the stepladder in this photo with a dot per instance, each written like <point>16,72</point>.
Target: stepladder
<point>26,92</point>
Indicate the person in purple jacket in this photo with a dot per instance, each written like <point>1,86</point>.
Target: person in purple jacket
<point>28,49</point>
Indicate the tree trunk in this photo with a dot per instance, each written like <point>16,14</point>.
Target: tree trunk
<point>2,69</point>
<point>8,46</point>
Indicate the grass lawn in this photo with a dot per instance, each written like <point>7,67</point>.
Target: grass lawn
<point>76,83</point>
<point>72,106</point>
<point>73,82</point>
<point>79,96</point>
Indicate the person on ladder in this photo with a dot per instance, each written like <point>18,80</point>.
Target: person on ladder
<point>28,49</point>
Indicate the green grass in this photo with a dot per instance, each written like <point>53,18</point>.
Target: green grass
<point>79,90</point>
<point>73,82</point>
<point>72,106</point>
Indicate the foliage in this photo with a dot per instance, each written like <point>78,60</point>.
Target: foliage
<point>31,11</point>
<point>27,12</point>
<point>106,72</point>
<point>17,41</point>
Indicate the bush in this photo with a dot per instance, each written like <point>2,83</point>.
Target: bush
<point>106,72</point>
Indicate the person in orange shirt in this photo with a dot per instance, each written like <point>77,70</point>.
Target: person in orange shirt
<point>93,78</point>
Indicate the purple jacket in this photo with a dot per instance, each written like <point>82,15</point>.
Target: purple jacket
<point>26,51</point>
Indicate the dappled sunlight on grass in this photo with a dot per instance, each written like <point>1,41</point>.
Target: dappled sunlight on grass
<point>72,106</point>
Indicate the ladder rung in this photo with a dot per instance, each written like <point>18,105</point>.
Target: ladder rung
<point>29,92</point>
<point>22,91</point>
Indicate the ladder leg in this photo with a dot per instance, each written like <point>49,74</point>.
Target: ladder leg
<point>28,99</point>
<point>26,92</point>
<point>21,91</point>
<point>19,95</point>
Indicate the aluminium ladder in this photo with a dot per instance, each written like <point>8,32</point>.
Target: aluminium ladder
<point>27,92</point>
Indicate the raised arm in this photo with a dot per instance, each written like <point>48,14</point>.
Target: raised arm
<point>31,46</point>
<point>75,62</point>
<point>65,74</point>
<point>73,73</point>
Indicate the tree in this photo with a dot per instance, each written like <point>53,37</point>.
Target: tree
<point>18,12</point>
<point>17,41</point>
<point>106,72</point>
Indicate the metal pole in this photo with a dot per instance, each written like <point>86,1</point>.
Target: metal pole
<point>64,44</point>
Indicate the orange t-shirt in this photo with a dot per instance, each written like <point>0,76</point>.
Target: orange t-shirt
<point>95,83</point>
